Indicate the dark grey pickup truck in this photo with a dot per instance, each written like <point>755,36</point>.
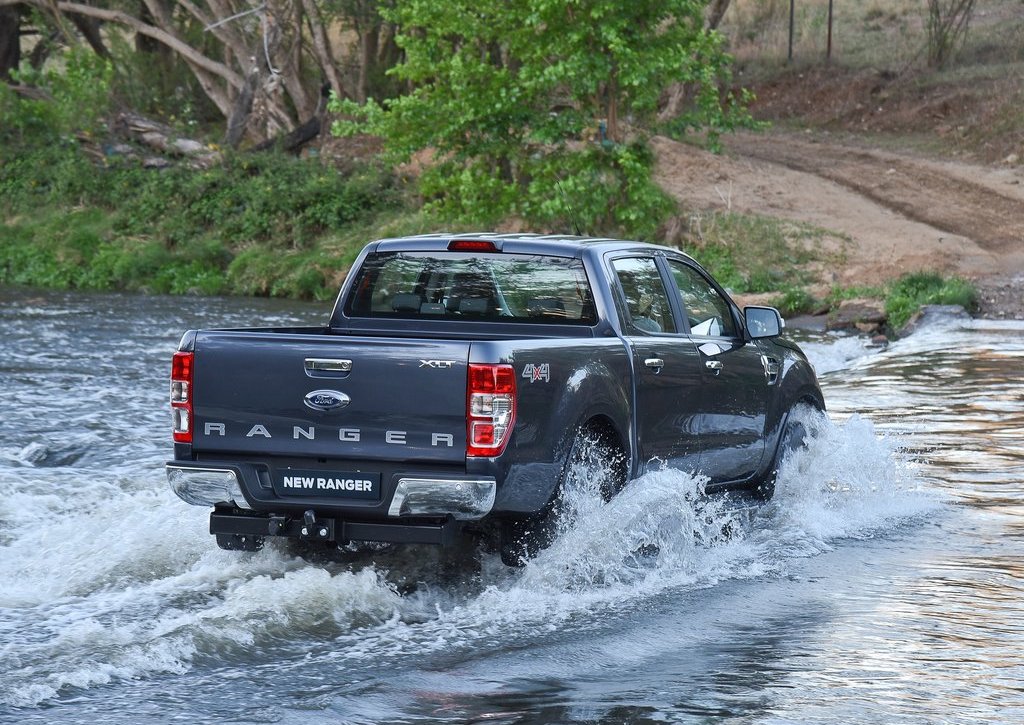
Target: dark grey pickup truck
<point>460,380</point>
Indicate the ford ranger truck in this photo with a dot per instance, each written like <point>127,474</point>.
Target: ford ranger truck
<point>463,380</point>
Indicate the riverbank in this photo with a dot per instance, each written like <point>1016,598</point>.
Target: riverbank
<point>875,175</point>
<point>284,227</point>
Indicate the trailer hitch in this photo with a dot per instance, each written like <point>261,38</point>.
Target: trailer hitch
<point>313,530</point>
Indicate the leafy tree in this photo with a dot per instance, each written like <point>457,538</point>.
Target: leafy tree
<point>259,66</point>
<point>529,105</point>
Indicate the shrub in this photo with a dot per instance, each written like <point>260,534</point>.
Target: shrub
<point>910,292</point>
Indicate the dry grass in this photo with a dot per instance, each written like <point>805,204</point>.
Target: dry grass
<point>886,34</point>
<point>878,84</point>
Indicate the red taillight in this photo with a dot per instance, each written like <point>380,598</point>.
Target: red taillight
<point>490,409</point>
<point>472,245</point>
<point>181,396</point>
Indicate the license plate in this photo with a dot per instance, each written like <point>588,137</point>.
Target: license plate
<point>327,484</point>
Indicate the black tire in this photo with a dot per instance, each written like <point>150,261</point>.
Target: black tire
<point>595,457</point>
<point>794,437</point>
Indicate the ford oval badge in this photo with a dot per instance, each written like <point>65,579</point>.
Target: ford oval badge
<point>326,400</point>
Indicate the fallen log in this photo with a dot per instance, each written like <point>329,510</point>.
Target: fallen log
<point>165,139</point>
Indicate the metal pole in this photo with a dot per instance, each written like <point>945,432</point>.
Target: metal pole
<point>828,52</point>
<point>792,25</point>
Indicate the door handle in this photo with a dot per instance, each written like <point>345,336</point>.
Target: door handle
<point>655,363</point>
<point>715,366</point>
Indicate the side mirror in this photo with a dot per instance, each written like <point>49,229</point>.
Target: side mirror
<point>763,322</point>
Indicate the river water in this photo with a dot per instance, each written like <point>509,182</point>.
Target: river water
<point>884,583</point>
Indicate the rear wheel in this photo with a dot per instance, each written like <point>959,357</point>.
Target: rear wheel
<point>596,464</point>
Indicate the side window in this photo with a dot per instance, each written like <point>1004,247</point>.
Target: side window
<point>707,310</point>
<point>646,298</point>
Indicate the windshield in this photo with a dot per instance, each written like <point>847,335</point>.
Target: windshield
<point>457,286</point>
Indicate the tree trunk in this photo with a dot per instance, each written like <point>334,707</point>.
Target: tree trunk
<point>241,110</point>
<point>322,48</point>
<point>90,30</point>
<point>10,41</point>
<point>715,13</point>
<point>368,47</point>
<point>45,45</point>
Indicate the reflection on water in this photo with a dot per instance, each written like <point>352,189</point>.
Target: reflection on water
<point>883,584</point>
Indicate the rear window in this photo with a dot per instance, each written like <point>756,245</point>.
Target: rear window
<point>458,286</point>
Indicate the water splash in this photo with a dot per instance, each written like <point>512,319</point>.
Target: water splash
<point>160,601</point>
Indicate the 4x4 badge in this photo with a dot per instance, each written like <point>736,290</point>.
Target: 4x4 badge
<point>533,372</point>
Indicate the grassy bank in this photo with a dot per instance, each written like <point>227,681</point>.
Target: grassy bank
<point>277,226</point>
<point>255,225</point>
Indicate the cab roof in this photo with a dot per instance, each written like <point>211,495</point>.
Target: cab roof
<point>556,245</point>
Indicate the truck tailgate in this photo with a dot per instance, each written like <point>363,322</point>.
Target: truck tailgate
<point>330,396</point>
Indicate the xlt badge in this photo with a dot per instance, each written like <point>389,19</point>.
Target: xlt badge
<point>437,364</point>
<point>326,400</point>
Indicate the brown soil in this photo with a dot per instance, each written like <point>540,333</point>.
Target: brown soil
<point>898,212</point>
<point>972,117</point>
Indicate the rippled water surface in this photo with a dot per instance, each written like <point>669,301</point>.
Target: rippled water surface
<point>882,584</point>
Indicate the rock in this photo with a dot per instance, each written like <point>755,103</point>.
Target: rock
<point>859,310</point>
<point>807,322</point>
<point>868,328</point>
<point>155,162</point>
<point>756,299</point>
<point>879,341</point>
<point>935,315</point>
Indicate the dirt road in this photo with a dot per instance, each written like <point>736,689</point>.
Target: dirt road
<point>892,213</point>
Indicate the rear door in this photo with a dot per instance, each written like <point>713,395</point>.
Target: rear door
<point>667,376</point>
<point>330,396</point>
<point>736,389</point>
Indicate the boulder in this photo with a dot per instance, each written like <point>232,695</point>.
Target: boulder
<point>863,314</point>
<point>951,316</point>
<point>755,299</point>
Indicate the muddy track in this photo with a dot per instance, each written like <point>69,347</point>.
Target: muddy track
<point>919,190</point>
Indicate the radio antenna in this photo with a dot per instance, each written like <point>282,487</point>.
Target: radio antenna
<point>572,214</point>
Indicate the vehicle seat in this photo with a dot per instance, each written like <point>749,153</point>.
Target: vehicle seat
<point>545,307</point>
<point>472,293</point>
<point>406,302</point>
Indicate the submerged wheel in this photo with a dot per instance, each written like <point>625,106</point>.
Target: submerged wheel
<point>596,462</point>
<point>794,437</point>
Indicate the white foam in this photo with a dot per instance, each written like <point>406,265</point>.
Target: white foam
<point>128,584</point>
<point>836,352</point>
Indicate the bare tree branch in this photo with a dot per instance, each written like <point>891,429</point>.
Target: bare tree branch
<point>190,54</point>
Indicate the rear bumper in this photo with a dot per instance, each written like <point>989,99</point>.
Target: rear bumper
<point>408,496</point>
<point>206,486</point>
<point>441,532</point>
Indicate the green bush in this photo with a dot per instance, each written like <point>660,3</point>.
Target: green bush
<point>910,292</point>
<point>232,228</point>
<point>79,89</point>
<point>280,200</point>
<point>795,301</point>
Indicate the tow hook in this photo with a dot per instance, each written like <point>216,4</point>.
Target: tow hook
<point>313,530</point>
